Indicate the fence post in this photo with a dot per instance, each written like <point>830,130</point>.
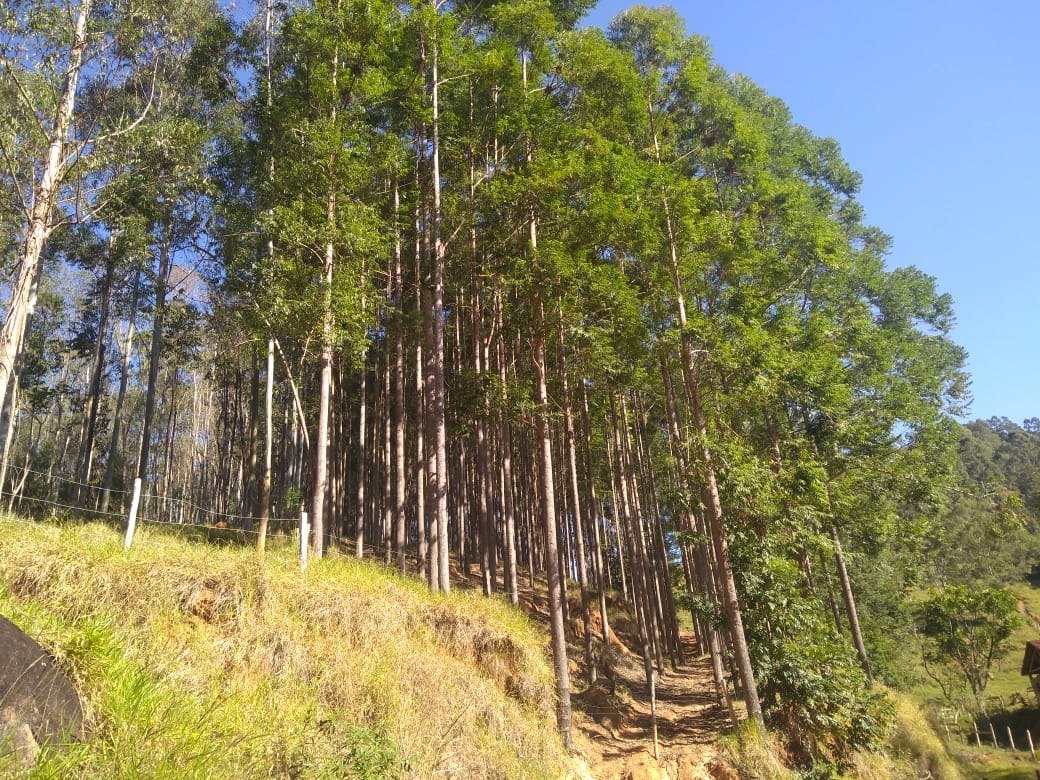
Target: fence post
<point>131,523</point>
<point>978,739</point>
<point>1029,737</point>
<point>1011,739</point>
<point>305,532</point>
<point>993,734</point>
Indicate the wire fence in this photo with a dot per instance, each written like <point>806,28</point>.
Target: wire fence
<point>54,495</point>
<point>35,493</point>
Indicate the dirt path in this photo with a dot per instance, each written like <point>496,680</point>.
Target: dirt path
<point>613,733</point>
<point>612,730</point>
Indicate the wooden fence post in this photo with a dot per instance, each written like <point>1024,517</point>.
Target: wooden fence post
<point>978,739</point>
<point>1011,739</point>
<point>1029,737</point>
<point>305,533</point>
<point>131,522</point>
<point>993,734</point>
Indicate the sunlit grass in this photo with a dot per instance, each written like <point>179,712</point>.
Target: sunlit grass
<point>198,660</point>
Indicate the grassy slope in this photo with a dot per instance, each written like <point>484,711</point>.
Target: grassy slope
<point>1008,688</point>
<point>198,661</point>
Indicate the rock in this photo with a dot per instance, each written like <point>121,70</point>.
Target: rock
<point>645,768</point>
<point>17,738</point>
<point>38,705</point>
<point>720,770</point>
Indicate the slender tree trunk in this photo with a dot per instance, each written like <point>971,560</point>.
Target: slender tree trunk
<point>507,487</point>
<point>576,505</point>
<point>597,558</point>
<point>44,198</point>
<point>265,482</point>
<point>321,444</point>
<point>548,501</point>
<point>850,603</point>
<point>10,418</point>
<point>633,536</point>
<point>440,484</point>
<point>399,381</point>
<point>97,371</point>
<point>421,474</point>
<point>713,510</point>
<point>155,358</point>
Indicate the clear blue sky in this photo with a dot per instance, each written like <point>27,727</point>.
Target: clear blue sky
<point>937,104</point>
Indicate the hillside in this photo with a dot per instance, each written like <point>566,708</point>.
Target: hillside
<point>195,661</point>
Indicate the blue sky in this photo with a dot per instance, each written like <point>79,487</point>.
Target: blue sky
<point>937,104</point>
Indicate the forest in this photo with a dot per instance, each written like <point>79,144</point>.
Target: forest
<point>475,287</point>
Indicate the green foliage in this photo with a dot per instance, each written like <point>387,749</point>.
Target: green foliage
<point>997,501</point>
<point>812,688</point>
<point>966,629</point>
<point>364,752</point>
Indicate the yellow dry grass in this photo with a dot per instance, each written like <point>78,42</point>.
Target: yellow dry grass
<point>201,661</point>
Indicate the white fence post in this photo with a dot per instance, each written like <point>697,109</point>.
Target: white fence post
<point>305,532</point>
<point>131,523</point>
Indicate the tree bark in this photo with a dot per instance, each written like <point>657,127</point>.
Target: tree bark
<point>44,198</point>
<point>439,484</point>
<point>550,521</point>
<point>155,358</point>
<point>850,603</point>
<point>265,481</point>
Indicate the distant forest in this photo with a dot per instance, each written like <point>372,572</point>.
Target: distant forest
<point>474,287</point>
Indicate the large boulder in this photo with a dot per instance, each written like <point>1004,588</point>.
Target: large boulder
<point>38,705</point>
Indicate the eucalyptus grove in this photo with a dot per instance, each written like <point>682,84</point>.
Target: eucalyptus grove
<point>502,299</point>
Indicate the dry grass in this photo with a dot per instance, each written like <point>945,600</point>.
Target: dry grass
<point>914,750</point>
<point>198,661</point>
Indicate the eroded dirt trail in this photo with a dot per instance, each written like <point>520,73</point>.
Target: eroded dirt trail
<point>613,732</point>
<point>612,729</point>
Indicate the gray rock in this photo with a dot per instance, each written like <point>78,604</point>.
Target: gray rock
<point>38,705</point>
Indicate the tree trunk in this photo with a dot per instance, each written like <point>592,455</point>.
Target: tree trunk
<point>549,519</point>
<point>265,482</point>
<point>579,520</point>
<point>713,510</point>
<point>155,358</point>
<point>86,449</point>
<point>399,380</point>
<point>44,198</point>
<point>439,484</point>
<point>850,603</point>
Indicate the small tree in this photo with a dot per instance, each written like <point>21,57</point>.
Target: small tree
<point>966,629</point>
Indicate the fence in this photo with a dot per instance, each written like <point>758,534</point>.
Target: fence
<point>64,496</point>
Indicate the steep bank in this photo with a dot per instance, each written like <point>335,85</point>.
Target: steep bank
<point>194,660</point>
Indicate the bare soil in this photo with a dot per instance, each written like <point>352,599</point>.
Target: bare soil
<point>614,736</point>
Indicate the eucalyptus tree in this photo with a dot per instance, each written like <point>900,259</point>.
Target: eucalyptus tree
<point>326,78</point>
<point>675,253</point>
<point>55,53</point>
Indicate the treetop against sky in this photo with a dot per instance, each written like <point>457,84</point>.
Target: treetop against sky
<point>934,103</point>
